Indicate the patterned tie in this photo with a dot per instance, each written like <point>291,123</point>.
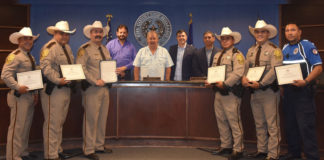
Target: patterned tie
<point>220,57</point>
<point>66,54</point>
<point>102,54</point>
<point>257,58</point>
<point>31,61</point>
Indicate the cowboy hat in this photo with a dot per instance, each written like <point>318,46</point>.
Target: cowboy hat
<point>60,26</point>
<point>96,24</point>
<point>24,32</point>
<point>261,24</point>
<point>226,31</point>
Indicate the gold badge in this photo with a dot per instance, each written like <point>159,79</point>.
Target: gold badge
<point>10,58</point>
<point>278,54</point>
<point>315,51</point>
<point>240,58</point>
<point>295,50</point>
<point>44,53</point>
<point>81,52</point>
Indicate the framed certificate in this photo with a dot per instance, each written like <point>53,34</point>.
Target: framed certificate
<point>108,71</point>
<point>255,73</point>
<point>32,79</point>
<point>72,72</point>
<point>286,74</point>
<point>216,74</point>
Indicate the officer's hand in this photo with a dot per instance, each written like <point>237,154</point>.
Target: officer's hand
<point>100,83</point>
<point>299,83</point>
<point>63,81</point>
<point>245,82</point>
<point>121,69</point>
<point>23,89</point>
<point>219,85</point>
<point>254,84</point>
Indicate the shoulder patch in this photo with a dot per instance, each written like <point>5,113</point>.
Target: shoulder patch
<point>10,58</point>
<point>315,51</point>
<point>50,45</point>
<point>85,46</point>
<point>273,45</point>
<point>44,53</point>
<point>240,58</point>
<point>81,52</point>
<point>278,54</point>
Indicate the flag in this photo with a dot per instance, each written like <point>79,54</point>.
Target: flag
<point>190,36</point>
<point>109,35</point>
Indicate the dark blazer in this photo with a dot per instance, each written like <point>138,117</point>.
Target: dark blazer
<point>186,61</point>
<point>199,62</point>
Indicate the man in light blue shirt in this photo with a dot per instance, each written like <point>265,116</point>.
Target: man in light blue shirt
<point>152,60</point>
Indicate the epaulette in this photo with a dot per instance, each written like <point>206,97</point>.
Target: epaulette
<point>85,46</point>
<point>273,45</point>
<point>235,50</point>
<point>16,52</point>
<point>50,45</point>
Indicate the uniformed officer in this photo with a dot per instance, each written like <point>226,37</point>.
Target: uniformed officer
<point>95,97</point>
<point>298,98</point>
<point>265,92</point>
<point>20,100</point>
<point>55,96</point>
<point>228,96</point>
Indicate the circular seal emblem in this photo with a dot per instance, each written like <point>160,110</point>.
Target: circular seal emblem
<point>152,20</point>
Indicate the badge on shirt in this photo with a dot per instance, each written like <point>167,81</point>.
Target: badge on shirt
<point>295,50</point>
<point>44,53</point>
<point>81,52</point>
<point>278,54</point>
<point>10,58</point>
<point>315,51</point>
<point>240,58</point>
<point>266,53</point>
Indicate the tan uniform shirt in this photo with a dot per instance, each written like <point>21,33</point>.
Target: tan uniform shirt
<point>52,56</point>
<point>234,61</point>
<point>270,57</point>
<point>89,56</point>
<point>17,61</point>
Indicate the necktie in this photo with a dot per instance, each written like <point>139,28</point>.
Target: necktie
<point>31,61</point>
<point>257,58</point>
<point>219,58</point>
<point>102,54</point>
<point>66,54</point>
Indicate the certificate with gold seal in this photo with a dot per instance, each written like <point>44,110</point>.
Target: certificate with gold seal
<point>255,73</point>
<point>72,72</point>
<point>216,74</point>
<point>108,71</point>
<point>286,74</point>
<point>32,79</point>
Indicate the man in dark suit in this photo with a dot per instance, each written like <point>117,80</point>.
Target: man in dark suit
<point>181,55</point>
<point>203,57</point>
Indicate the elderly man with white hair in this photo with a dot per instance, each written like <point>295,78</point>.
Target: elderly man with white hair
<point>20,99</point>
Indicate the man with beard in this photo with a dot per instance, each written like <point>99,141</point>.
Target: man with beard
<point>21,101</point>
<point>152,60</point>
<point>298,98</point>
<point>203,57</point>
<point>95,96</point>
<point>55,96</point>
<point>181,55</point>
<point>123,52</point>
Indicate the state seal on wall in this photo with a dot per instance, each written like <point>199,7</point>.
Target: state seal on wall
<point>152,20</point>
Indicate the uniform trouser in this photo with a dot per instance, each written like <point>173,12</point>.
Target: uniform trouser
<point>55,108</point>
<point>21,116</point>
<point>96,106</point>
<point>228,116</point>
<point>264,106</point>
<point>300,121</point>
